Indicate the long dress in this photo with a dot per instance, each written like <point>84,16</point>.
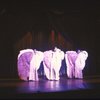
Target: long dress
<point>47,64</point>
<point>52,63</point>
<point>70,57</point>
<point>37,58</point>
<point>80,64</point>
<point>23,63</point>
<point>58,56</point>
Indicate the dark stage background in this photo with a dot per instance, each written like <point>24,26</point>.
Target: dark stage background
<point>70,25</point>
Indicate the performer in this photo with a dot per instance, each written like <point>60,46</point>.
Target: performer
<point>47,64</point>
<point>35,62</point>
<point>23,63</point>
<point>80,63</point>
<point>58,56</point>
<point>52,63</point>
<point>70,57</point>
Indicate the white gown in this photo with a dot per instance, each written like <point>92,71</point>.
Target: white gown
<point>70,57</point>
<point>47,64</point>
<point>52,63</point>
<point>58,56</point>
<point>80,64</point>
<point>37,58</point>
<point>23,63</point>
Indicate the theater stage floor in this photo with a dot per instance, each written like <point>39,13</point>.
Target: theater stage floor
<point>88,87</point>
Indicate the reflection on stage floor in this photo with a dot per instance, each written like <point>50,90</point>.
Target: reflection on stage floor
<point>64,88</point>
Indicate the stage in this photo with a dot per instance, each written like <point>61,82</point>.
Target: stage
<point>89,87</point>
